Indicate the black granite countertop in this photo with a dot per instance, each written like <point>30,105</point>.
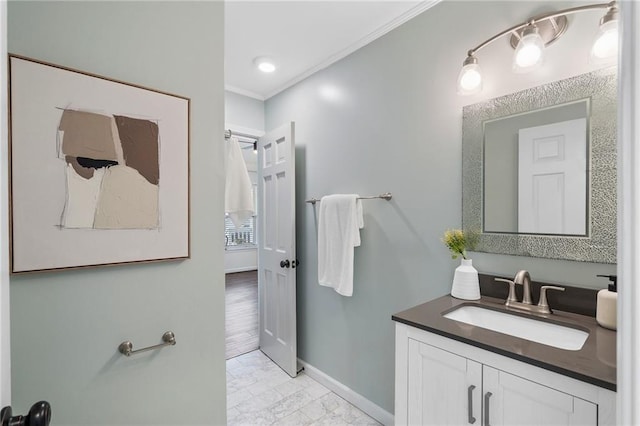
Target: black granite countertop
<point>594,363</point>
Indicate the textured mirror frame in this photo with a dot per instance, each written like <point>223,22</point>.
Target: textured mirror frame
<point>600,244</point>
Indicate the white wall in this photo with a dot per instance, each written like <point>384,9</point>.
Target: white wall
<point>240,260</point>
<point>387,118</point>
<point>243,111</point>
<point>66,326</point>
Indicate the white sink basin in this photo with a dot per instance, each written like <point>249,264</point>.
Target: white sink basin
<point>530,329</point>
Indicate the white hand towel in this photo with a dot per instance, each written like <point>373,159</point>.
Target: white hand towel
<point>338,233</point>
<point>238,191</point>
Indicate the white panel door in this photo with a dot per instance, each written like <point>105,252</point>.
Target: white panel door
<point>552,178</point>
<point>511,400</point>
<point>443,388</point>
<point>277,247</point>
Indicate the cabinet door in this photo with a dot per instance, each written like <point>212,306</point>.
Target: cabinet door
<point>443,388</point>
<point>511,400</point>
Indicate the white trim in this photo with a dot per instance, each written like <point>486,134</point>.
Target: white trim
<point>411,13</point>
<point>235,249</point>
<point>5,342</point>
<point>243,92</point>
<point>628,409</point>
<point>370,408</point>
<point>242,269</point>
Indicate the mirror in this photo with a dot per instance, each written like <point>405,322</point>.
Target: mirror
<point>535,171</point>
<point>539,170</point>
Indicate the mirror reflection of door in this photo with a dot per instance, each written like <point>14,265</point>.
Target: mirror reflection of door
<point>552,181</point>
<point>516,201</point>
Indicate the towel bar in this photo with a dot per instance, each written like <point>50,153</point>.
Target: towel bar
<point>385,196</point>
<point>126,347</point>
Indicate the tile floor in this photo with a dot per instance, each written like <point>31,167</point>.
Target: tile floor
<point>260,393</point>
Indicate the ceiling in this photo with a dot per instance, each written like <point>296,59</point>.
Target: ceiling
<point>301,37</point>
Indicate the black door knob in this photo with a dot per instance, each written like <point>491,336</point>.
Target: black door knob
<point>284,263</point>
<point>39,415</point>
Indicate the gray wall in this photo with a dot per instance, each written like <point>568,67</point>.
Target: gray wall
<point>66,326</point>
<point>387,118</point>
<point>243,111</point>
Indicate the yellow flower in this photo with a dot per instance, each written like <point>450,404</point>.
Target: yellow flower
<point>457,241</point>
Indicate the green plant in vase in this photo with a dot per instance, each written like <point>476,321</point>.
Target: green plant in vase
<point>465,280</point>
<point>458,241</point>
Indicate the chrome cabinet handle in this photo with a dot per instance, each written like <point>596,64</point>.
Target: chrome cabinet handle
<point>486,408</point>
<point>471,419</point>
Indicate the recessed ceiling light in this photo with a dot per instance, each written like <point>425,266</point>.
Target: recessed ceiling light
<point>264,64</point>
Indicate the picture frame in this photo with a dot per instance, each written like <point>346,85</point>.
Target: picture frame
<point>99,170</point>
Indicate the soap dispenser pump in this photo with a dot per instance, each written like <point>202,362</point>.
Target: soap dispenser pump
<point>606,309</point>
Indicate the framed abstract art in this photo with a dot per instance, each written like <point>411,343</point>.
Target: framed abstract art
<point>99,170</point>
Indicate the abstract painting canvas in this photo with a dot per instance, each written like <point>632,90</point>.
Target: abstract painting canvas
<point>99,170</point>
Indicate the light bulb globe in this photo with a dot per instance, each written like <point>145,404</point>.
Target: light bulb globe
<point>605,45</point>
<point>470,78</point>
<point>529,52</point>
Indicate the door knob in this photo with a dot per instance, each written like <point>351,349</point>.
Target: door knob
<point>285,263</point>
<point>39,415</point>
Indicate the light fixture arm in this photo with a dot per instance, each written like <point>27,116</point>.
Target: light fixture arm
<point>551,15</point>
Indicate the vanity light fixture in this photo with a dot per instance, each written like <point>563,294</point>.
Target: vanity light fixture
<point>530,38</point>
<point>264,64</point>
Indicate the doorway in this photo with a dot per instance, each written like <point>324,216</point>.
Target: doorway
<point>241,264</point>
<point>276,256</point>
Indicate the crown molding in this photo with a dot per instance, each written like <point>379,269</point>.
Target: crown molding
<point>244,92</point>
<point>410,14</point>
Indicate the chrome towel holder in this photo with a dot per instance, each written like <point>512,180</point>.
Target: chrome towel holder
<point>126,347</point>
<point>385,196</point>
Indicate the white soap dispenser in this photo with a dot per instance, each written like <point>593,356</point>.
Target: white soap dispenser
<point>606,309</point>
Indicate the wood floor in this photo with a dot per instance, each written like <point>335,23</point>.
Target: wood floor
<point>241,299</point>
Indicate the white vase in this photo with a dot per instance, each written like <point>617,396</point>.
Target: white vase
<point>465,282</point>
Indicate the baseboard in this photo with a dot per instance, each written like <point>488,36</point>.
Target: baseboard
<point>373,410</point>
<point>244,269</point>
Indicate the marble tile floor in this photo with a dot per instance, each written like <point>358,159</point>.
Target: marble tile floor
<point>260,393</point>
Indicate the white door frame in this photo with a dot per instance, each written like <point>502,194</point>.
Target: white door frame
<point>628,348</point>
<point>5,341</point>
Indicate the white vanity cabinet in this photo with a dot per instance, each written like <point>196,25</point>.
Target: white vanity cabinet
<point>440,381</point>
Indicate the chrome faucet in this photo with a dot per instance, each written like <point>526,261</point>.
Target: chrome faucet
<point>523,278</point>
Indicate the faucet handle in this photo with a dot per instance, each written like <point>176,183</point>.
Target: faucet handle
<point>512,289</point>
<point>543,297</point>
